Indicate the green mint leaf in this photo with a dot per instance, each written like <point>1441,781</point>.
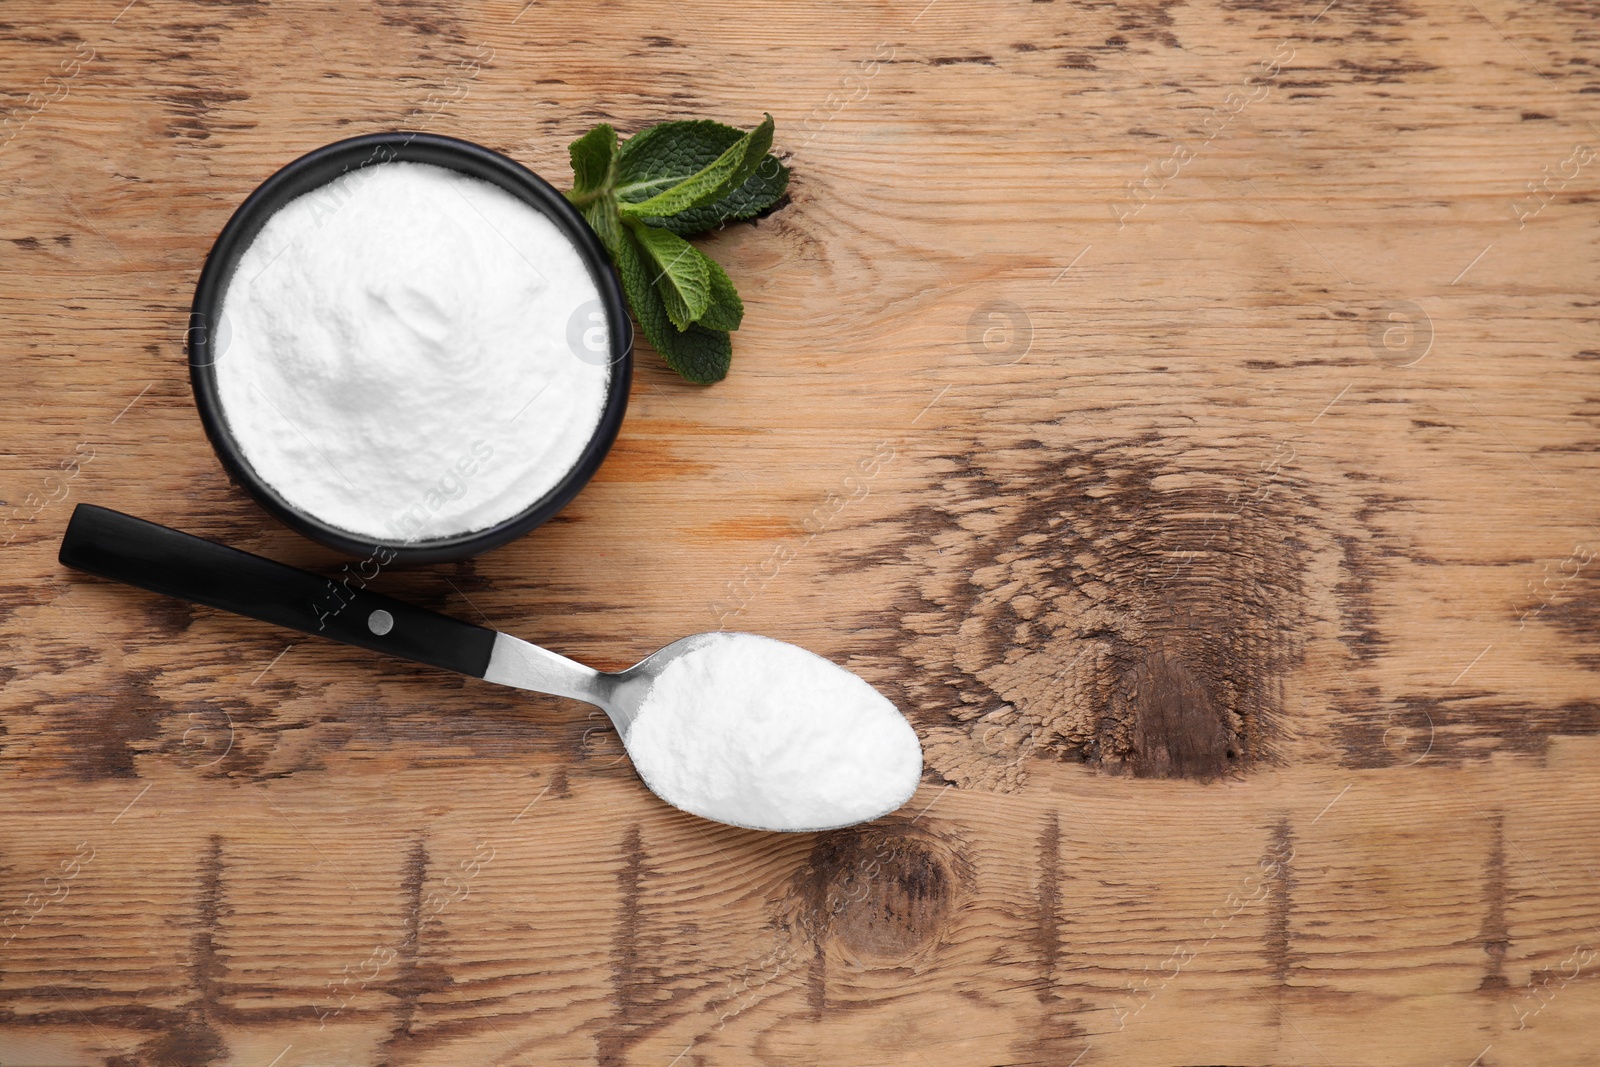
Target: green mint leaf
<point>643,196</point>
<point>662,156</point>
<point>727,172</point>
<point>655,159</point>
<point>638,274</point>
<point>698,354</point>
<point>682,276</point>
<point>726,310</point>
<point>601,215</point>
<point>760,191</point>
<point>593,156</point>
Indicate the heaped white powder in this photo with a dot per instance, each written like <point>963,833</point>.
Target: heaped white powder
<point>751,731</point>
<point>394,353</point>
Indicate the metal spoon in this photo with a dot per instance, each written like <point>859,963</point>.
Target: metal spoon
<point>130,550</point>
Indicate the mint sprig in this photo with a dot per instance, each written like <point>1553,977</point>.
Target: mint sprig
<point>644,196</point>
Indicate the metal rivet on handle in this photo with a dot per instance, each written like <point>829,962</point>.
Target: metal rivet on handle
<point>380,622</point>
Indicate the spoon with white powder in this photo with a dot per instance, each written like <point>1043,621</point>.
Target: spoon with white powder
<point>728,726</point>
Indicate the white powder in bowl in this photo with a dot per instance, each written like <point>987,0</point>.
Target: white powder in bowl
<point>394,356</point>
<point>751,731</point>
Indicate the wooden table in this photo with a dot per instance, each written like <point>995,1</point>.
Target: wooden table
<point>1189,413</point>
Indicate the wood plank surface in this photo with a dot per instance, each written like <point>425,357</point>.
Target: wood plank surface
<point>1187,411</point>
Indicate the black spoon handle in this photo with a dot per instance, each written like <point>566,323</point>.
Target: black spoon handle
<point>129,550</point>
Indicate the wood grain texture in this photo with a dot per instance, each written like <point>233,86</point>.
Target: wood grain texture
<point>1187,411</point>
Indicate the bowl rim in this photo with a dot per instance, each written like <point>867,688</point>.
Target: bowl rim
<point>320,166</point>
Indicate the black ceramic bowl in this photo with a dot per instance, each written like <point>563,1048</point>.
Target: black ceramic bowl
<point>206,343</point>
